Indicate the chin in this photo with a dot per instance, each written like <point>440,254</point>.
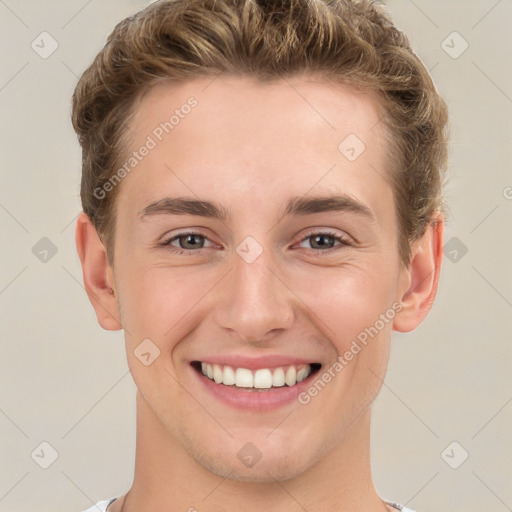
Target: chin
<point>245,463</point>
<point>261,473</point>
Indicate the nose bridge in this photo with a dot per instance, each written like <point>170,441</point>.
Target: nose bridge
<point>255,301</point>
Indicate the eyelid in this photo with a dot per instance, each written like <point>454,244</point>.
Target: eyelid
<point>343,237</point>
<point>171,237</point>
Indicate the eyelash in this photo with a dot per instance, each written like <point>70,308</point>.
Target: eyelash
<point>343,242</point>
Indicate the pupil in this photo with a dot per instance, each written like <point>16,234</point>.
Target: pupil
<point>323,237</point>
<point>318,239</point>
<point>191,237</point>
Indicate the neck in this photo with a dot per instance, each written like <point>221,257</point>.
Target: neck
<point>166,477</point>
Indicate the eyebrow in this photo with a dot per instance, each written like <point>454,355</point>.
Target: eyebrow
<point>296,206</point>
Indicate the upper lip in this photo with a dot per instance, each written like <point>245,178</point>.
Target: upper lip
<point>254,363</point>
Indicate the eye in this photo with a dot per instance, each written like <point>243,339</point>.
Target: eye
<point>324,242</point>
<point>191,242</point>
<point>188,242</point>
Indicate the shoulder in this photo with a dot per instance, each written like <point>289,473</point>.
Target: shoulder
<point>101,506</point>
<point>400,507</point>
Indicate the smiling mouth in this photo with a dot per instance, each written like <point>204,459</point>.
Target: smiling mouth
<point>262,379</point>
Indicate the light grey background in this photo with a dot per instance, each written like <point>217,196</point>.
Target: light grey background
<point>65,381</point>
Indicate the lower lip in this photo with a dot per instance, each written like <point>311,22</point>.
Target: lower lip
<point>254,400</point>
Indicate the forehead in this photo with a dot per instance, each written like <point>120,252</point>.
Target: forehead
<point>241,138</point>
<point>262,108</point>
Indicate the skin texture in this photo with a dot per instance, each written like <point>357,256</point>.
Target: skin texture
<point>250,147</point>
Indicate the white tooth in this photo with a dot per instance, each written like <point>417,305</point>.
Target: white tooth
<point>291,376</point>
<point>302,374</point>
<point>263,379</point>
<point>243,378</point>
<point>217,373</point>
<point>209,371</point>
<point>229,376</point>
<point>278,377</point>
<point>203,368</point>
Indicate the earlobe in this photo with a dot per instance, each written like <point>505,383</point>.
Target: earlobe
<point>421,278</point>
<point>97,274</point>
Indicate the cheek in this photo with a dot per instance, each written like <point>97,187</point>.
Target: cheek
<point>160,307</point>
<point>154,302</point>
<point>351,306</point>
<point>347,306</point>
<point>341,302</point>
<point>347,300</point>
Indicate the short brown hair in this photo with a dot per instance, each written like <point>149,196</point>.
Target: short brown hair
<point>354,42</point>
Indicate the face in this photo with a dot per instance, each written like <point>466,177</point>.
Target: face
<point>227,253</point>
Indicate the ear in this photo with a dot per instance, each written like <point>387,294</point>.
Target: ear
<point>421,278</point>
<point>97,274</point>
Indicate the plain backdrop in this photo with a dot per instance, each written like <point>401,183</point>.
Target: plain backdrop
<point>441,425</point>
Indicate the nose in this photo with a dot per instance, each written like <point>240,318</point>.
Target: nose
<point>255,301</point>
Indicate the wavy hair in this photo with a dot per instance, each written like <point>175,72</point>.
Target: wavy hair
<point>354,42</point>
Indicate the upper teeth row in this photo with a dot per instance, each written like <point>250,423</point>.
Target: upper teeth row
<point>263,378</point>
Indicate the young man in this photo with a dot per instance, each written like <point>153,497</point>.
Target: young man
<point>262,207</point>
